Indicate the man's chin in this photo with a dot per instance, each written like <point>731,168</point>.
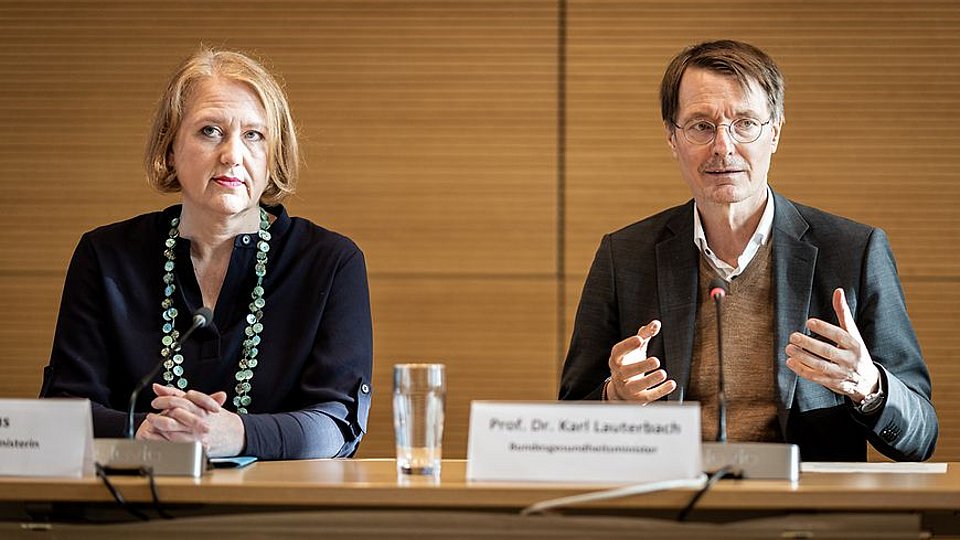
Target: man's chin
<point>726,194</point>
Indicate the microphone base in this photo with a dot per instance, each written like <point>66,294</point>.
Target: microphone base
<point>757,461</point>
<point>164,457</point>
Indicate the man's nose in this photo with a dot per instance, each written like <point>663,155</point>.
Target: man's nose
<point>723,143</point>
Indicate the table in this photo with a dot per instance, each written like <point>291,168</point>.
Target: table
<point>372,485</point>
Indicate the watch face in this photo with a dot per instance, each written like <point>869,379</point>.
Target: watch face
<point>871,402</point>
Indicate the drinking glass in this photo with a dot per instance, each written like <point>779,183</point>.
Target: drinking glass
<point>418,402</point>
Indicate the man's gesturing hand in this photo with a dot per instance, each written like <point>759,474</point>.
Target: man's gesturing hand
<point>843,364</point>
<point>633,375</point>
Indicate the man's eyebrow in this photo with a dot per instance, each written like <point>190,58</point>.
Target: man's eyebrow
<point>739,113</point>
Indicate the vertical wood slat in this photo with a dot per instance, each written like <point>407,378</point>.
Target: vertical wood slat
<point>871,133</point>
<point>429,131</point>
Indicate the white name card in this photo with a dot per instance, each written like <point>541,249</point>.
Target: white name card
<point>46,437</point>
<point>595,442</point>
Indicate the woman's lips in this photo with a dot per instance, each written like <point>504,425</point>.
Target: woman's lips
<point>228,181</point>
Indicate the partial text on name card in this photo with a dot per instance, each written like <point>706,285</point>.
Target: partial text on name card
<point>45,437</point>
<point>594,442</point>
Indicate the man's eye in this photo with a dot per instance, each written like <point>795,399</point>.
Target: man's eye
<point>701,127</point>
<point>747,124</point>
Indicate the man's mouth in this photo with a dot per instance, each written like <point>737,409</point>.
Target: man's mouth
<point>722,167</point>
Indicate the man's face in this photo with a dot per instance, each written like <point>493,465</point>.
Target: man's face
<point>724,171</point>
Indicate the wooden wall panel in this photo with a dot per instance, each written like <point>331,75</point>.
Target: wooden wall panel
<point>433,134</point>
<point>496,337</point>
<point>429,134</point>
<point>871,107</point>
<point>430,137</point>
<point>871,133</point>
<point>429,127</point>
<point>27,331</point>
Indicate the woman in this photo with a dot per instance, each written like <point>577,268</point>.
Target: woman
<point>283,371</point>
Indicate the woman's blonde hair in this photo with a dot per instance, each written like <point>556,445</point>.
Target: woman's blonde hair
<point>283,158</point>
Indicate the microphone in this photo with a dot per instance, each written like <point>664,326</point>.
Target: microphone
<point>161,458</point>
<point>718,291</point>
<point>775,461</point>
<point>201,318</point>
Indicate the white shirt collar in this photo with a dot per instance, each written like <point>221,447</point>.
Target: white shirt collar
<point>759,239</point>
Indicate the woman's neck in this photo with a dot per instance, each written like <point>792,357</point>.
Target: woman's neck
<point>211,233</point>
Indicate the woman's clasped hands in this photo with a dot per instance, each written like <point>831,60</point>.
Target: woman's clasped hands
<point>194,416</point>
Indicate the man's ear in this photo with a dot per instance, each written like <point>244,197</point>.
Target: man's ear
<point>776,129</point>
<point>671,132</point>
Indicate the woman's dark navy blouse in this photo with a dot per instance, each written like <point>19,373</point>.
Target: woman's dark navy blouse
<point>311,389</point>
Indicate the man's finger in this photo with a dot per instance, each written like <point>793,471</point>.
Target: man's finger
<point>658,392</point>
<point>632,370</point>
<point>639,383</point>
<point>842,387</point>
<point>649,330</point>
<point>620,349</point>
<point>816,363</point>
<point>838,354</point>
<point>844,315</point>
<point>645,333</point>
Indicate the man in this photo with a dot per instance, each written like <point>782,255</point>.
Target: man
<point>818,348</point>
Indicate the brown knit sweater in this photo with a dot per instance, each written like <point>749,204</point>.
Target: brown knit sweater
<point>749,365</point>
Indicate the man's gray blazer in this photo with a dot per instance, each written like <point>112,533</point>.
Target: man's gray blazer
<point>649,270</point>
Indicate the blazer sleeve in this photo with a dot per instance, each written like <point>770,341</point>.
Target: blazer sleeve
<point>596,330</point>
<point>907,427</point>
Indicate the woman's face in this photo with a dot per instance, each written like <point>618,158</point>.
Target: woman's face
<point>220,152</point>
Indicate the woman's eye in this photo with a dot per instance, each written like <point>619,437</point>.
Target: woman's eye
<point>210,131</point>
<point>254,136</point>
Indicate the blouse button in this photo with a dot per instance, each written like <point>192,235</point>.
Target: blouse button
<point>364,388</point>
<point>245,239</point>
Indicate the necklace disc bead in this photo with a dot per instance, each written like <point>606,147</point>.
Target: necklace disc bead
<point>173,373</point>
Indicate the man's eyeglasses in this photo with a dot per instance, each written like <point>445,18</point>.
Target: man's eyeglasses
<point>743,130</point>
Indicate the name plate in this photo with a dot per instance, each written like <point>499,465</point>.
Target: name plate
<point>46,437</point>
<point>595,442</point>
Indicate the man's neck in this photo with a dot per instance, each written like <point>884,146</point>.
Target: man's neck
<point>729,227</point>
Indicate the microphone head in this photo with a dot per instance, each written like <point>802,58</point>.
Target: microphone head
<point>718,289</point>
<point>202,316</point>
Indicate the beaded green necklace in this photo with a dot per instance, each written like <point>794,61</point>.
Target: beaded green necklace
<point>170,346</point>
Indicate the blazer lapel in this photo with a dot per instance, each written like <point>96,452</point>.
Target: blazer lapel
<point>677,290</point>
<point>794,262</point>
